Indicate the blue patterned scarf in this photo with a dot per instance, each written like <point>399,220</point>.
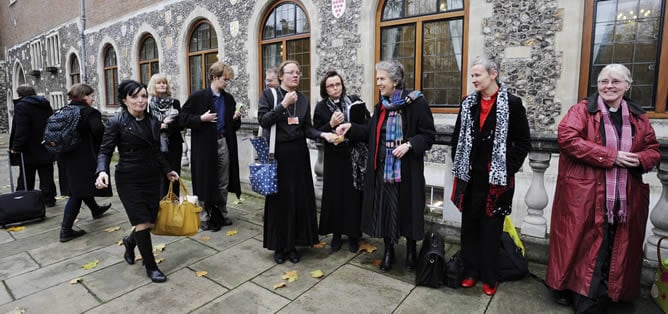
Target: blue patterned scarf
<point>394,134</point>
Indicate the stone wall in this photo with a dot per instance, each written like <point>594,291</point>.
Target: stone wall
<point>532,24</point>
<point>4,88</point>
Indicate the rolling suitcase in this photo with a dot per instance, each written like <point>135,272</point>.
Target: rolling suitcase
<point>21,207</point>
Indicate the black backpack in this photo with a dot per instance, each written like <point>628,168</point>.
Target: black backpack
<point>61,134</point>
<point>430,268</point>
<point>513,265</point>
<point>454,271</point>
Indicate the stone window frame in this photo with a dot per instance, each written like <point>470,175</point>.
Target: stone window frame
<point>18,79</point>
<point>57,100</point>
<point>36,58</point>
<point>661,83</point>
<point>203,53</point>
<point>73,72</point>
<point>150,61</point>
<point>110,91</point>
<point>419,21</point>
<point>305,68</point>
<point>53,50</point>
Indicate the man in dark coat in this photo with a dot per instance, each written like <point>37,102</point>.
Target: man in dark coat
<point>212,116</point>
<point>30,115</point>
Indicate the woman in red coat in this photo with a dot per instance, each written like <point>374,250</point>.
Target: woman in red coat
<point>600,204</point>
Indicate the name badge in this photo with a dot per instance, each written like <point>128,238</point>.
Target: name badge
<point>293,120</point>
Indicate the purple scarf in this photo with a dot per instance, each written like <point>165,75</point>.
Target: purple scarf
<point>615,177</point>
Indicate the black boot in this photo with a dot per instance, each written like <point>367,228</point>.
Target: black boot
<point>145,246</point>
<point>67,234</point>
<point>388,258</point>
<point>336,242</point>
<point>353,244</point>
<point>411,254</point>
<point>129,244</point>
<point>97,211</point>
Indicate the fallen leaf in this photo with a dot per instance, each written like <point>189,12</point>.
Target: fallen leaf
<point>159,260</point>
<point>279,285</point>
<point>317,273</point>
<point>76,281</point>
<point>61,197</point>
<point>231,232</point>
<point>119,242</point>
<point>17,310</point>
<point>90,265</point>
<point>159,248</point>
<point>201,273</point>
<point>205,238</point>
<point>320,245</point>
<point>112,229</point>
<point>138,258</point>
<point>364,246</point>
<point>16,229</point>
<point>376,262</point>
<point>238,201</point>
<point>290,276</point>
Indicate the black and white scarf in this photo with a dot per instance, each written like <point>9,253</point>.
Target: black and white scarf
<point>160,107</point>
<point>498,174</point>
<point>359,152</point>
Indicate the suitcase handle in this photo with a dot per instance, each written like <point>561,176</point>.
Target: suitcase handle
<point>658,254</point>
<point>23,170</point>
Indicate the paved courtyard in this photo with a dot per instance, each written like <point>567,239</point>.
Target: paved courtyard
<point>36,271</point>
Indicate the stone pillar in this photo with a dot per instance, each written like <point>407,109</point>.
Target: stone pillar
<point>659,215</point>
<point>185,158</point>
<point>534,223</point>
<point>318,169</point>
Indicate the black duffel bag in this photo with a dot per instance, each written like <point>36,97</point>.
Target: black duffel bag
<point>430,268</point>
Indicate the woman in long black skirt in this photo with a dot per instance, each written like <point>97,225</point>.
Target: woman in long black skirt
<point>290,216</point>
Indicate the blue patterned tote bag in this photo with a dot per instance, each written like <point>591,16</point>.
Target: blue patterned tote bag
<point>263,172</point>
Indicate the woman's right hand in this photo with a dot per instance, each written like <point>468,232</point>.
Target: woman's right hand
<point>289,99</point>
<point>627,159</point>
<point>337,118</point>
<point>102,180</point>
<point>343,128</point>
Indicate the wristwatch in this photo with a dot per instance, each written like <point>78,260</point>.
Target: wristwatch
<point>409,145</point>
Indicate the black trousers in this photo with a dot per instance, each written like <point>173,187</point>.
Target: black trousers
<point>480,240</point>
<point>46,183</point>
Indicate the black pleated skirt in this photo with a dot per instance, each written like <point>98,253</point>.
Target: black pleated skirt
<point>384,218</point>
<point>290,216</point>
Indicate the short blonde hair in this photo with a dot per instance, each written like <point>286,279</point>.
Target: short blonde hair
<point>158,78</point>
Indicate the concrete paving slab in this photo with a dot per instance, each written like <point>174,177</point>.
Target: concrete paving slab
<point>374,293</point>
<point>182,253</point>
<point>527,294</point>
<point>5,236</point>
<point>15,265</point>
<point>116,280</point>
<point>398,271</point>
<point>237,264</point>
<point>182,293</point>
<point>64,271</point>
<point>29,243</point>
<point>49,223</point>
<point>5,297</point>
<point>221,241</point>
<point>311,259</point>
<point>57,299</point>
<point>445,300</point>
<point>247,298</point>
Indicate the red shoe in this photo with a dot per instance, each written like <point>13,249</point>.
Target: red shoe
<point>487,289</point>
<point>468,282</point>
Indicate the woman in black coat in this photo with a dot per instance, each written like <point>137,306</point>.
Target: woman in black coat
<point>166,109</point>
<point>289,215</point>
<point>78,166</point>
<point>399,133</point>
<point>136,133</point>
<point>344,164</point>
<point>490,141</point>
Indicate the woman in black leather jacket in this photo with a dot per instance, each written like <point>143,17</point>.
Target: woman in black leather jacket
<point>137,135</point>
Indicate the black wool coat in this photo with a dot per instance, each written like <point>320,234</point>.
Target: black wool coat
<point>80,164</point>
<point>30,116</point>
<point>204,144</point>
<point>418,128</point>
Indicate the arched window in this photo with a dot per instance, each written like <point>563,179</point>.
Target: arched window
<point>110,75</point>
<point>148,59</point>
<point>427,38</point>
<point>75,70</point>
<point>285,36</point>
<point>629,32</point>
<point>202,53</point>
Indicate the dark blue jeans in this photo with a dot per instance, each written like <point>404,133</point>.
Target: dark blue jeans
<point>73,207</point>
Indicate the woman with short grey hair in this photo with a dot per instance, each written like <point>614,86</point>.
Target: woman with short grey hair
<point>398,134</point>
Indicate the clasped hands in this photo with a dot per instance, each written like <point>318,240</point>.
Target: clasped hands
<point>627,159</point>
<point>398,152</point>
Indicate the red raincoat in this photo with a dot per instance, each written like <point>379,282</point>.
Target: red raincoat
<point>578,212</point>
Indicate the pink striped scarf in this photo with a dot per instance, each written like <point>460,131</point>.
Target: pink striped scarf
<point>615,177</point>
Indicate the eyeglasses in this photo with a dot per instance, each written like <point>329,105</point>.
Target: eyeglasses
<point>615,83</point>
<point>333,85</point>
<point>293,73</point>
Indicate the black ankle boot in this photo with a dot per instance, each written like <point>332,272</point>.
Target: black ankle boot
<point>67,234</point>
<point>411,254</point>
<point>388,258</point>
<point>129,244</point>
<point>101,209</point>
<point>336,242</point>
<point>353,245</point>
<point>156,275</point>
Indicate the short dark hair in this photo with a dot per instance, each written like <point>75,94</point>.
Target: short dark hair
<point>129,87</point>
<point>323,83</point>
<point>25,90</point>
<point>79,91</point>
